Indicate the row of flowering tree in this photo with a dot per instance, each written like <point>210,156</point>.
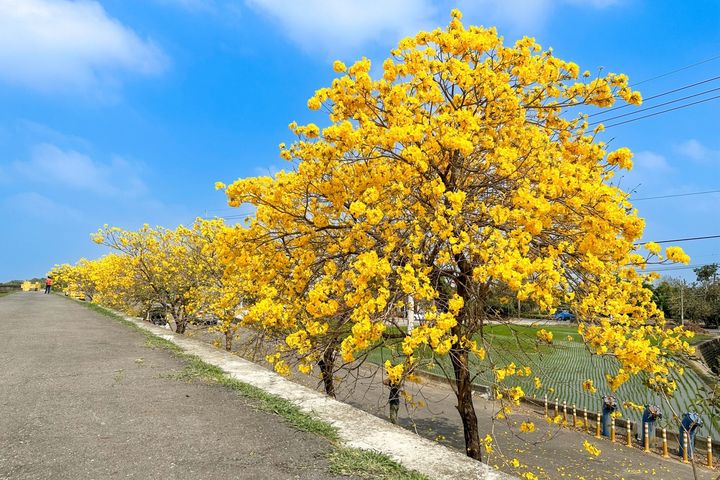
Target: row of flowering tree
<point>466,171</point>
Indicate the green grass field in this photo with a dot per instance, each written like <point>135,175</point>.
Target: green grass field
<point>564,365</point>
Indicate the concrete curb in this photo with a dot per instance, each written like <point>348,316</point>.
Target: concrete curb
<point>356,428</point>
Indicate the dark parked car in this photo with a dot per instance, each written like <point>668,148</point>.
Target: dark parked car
<point>564,315</point>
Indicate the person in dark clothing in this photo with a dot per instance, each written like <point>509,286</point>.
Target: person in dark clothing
<point>690,423</point>
<point>609,406</point>
<point>393,400</point>
<point>651,414</point>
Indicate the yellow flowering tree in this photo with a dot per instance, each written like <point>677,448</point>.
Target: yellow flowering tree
<point>157,267</point>
<point>217,291</point>
<point>467,169</point>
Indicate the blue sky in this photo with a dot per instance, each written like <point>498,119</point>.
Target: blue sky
<point>127,111</point>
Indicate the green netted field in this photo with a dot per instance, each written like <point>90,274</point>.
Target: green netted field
<point>565,364</point>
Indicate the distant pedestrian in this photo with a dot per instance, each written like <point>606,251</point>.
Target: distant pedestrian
<point>48,283</point>
<point>608,408</point>
<point>393,400</point>
<point>689,424</point>
<point>651,414</point>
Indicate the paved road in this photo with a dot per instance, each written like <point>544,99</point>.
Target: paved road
<point>82,397</point>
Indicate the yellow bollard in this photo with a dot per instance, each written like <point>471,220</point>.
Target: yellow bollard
<point>709,452</point>
<point>685,447</point>
<point>564,412</point>
<point>664,440</point>
<point>557,407</point>
<point>597,426</point>
<point>628,424</point>
<point>546,406</point>
<point>646,429</point>
<point>585,422</point>
<point>612,429</point>
<point>574,415</point>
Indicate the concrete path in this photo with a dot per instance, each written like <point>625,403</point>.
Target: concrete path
<point>82,397</point>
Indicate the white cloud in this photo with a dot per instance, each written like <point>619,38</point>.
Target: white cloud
<point>70,169</point>
<point>695,150</point>
<point>651,162</point>
<point>341,27</point>
<point>521,17</point>
<point>594,3</point>
<point>39,206</point>
<point>70,45</point>
<point>191,5</point>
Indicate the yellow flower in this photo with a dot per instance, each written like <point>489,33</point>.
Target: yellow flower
<point>487,443</point>
<point>314,104</point>
<point>588,386</point>
<point>339,66</point>
<point>591,449</point>
<point>544,336</point>
<point>677,255</point>
<point>621,157</point>
<point>653,248</point>
<point>527,427</point>
<point>394,373</point>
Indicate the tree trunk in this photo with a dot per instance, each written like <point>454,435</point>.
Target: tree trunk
<point>180,320</point>
<point>466,409</point>
<point>228,340</point>
<point>461,363</point>
<point>327,367</point>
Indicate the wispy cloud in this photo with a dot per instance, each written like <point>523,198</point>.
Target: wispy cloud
<point>522,17</point>
<point>53,166</point>
<point>695,150</point>
<point>650,162</point>
<point>341,27</point>
<point>61,45</point>
<point>345,27</point>
<point>192,5</point>
<point>39,206</point>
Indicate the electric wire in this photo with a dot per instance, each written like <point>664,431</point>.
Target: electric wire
<point>662,75</point>
<point>688,194</point>
<point>669,102</point>
<point>662,111</point>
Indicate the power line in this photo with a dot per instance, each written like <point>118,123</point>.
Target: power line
<point>662,94</point>
<point>635,112</point>
<point>662,111</point>
<point>677,70</point>
<point>684,267</point>
<point>675,195</point>
<point>688,239</point>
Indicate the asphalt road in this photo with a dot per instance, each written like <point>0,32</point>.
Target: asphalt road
<point>82,397</point>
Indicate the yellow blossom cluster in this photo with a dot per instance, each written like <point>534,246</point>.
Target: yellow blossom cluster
<point>591,449</point>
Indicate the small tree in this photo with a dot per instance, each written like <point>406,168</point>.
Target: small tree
<point>159,268</point>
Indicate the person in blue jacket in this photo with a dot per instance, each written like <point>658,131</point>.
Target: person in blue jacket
<point>690,423</point>
<point>651,414</point>
<point>609,406</point>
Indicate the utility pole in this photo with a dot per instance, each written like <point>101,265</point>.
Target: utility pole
<point>410,314</point>
<point>518,309</point>
<point>682,303</point>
